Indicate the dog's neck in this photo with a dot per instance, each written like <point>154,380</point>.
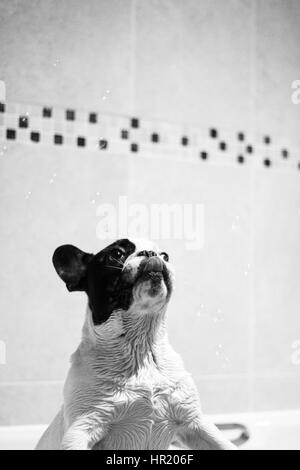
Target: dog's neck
<point>125,343</point>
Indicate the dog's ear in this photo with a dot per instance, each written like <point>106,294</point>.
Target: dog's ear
<point>71,264</point>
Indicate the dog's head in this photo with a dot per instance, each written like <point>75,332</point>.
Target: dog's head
<point>124,275</point>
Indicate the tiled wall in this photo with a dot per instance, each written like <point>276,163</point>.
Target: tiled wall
<point>163,101</point>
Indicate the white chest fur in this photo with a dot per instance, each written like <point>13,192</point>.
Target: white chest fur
<point>144,414</point>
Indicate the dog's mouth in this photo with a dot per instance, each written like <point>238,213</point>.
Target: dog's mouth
<point>151,268</point>
<point>155,272</point>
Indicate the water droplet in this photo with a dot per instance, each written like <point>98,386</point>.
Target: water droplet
<point>201,312</point>
<point>105,95</point>
<point>3,150</point>
<point>225,362</point>
<point>246,272</point>
<point>56,63</point>
<point>218,317</point>
<point>223,358</point>
<point>51,180</point>
<point>93,201</point>
<point>235,223</point>
<point>28,195</point>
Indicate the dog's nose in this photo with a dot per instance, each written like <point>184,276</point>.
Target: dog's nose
<point>146,253</point>
<point>154,264</point>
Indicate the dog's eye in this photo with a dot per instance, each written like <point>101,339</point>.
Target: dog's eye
<point>164,255</point>
<point>117,253</point>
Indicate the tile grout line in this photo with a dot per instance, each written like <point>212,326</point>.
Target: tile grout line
<point>252,307</point>
<point>133,10</point>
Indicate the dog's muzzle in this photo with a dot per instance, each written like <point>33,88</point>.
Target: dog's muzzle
<point>154,264</point>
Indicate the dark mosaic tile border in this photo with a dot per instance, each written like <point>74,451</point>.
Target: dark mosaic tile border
<point>91,130</point>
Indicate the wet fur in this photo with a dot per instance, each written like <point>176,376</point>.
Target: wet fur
<point>128,389</point>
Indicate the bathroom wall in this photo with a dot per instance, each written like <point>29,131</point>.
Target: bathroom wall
<point>181,67</point>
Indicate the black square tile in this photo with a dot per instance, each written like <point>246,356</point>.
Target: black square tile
<point>223,146</point>
<point>184,141</point>
<point>58,139</point>
<point>249,149</point>
<point>124,134</point>
<point>11,134</point>
<point>93,118</point>
<point>204,155</point>
<point>81,141</point>
<point>284,153</point>
<point>267,139</point>
<point>155,138</point>
<point>240,159</point>
<point>2,107</point>
<point>35,136</point>
<point>241,136</point>
<point>103,144</point>
<point>70,115</point>
<point>134,147</point>
<point>267,162</point>
<point>135,123</point>
<point>23,121</point>
<point>47,112</point>
<point>213,133</point>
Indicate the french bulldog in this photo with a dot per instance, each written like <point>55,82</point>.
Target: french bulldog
<point>126,389</point>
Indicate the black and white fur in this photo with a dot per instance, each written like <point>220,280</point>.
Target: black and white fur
<point>126,388</point>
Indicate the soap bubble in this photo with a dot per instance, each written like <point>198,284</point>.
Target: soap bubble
<point>219,349</point>
<point>225,362</point>
<point>235,223</point>
<point>201,311</point>
<point>218,316</point>
<point>93,201</point>
<point>220,353</point>
<point>3,150</point>
<point>51,181</point>
<point>247,270</point>
<point>105,95</point>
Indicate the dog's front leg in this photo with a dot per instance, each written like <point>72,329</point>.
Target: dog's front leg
<point>83,434</point>
<point>202,435</point>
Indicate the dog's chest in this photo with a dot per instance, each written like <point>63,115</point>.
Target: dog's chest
<point>144,415</point>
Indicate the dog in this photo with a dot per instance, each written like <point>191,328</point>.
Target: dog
<point>126,389</point>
